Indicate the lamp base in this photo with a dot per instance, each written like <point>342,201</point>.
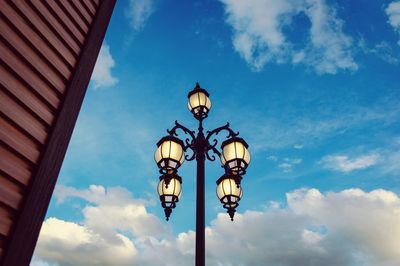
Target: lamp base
<point>168,212</point>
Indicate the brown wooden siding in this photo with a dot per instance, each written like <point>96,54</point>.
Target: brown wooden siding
<point>47,51</point>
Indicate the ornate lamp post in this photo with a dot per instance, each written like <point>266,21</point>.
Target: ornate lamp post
<point>170,155</point>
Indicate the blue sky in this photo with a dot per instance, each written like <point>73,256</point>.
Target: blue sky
<point>313,87</point>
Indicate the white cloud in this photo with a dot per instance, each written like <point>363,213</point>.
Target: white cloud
<point>298,146</point>
<point>315,229</point>
<point>330,47</point>
<point>393,13</point>
<point>102,76</point>
<point>390,161</point>
<point>39,262</point>
<point>111,217</point>
<point>68,243</point>
<point>138,12</point>
<point>293,160</point>
<point>115,208</point>
<point>343,163</point>
<point>272,158</point>
<point>259,36</point>
<point>351,227</point>
<point>268,132</point>
<point>287,165</point>
<point>382,50</point>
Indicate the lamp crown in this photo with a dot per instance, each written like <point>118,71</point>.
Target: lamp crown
<point>171,138</point>
<point>235,139</point>
<point>198,88</point>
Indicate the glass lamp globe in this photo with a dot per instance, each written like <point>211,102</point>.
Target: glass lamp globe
<point>235,156</point>
<point>169,154</point>
<point>229,193</point>
<point>199,102</point>
<point>169,194</point>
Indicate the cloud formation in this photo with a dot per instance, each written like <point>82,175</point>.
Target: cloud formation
<point>115,208</point>
<point>259,34</point>
<point>285,164</point>
<point>350,227</point>
<point>393,13</point>
<point>382,50</point>
<point>288,164</point>
<point>104,237</point>
<point>138,12</point>
<point>268,132</point>
<point>298,146</point>
<point>68,243</point>
<point>343,163</point>
<point>102,76</point>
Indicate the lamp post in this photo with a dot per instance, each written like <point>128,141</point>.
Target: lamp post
<point>170,155</point>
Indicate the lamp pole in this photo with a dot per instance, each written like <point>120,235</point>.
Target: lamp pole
<point>200,216</point>
<point>170,154</point>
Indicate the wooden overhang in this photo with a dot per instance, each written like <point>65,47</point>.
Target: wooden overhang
<point>48,50</point>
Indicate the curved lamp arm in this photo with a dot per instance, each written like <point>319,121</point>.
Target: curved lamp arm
<point>219,129</point>
<point>215,132</point>
<point>189,142</point>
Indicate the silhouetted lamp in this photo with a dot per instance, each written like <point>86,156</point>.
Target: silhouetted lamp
<point>169,194</point>
<point>169,154</point>
<point>229,193</point>
<point>235,156</point>
<point>199,103</point>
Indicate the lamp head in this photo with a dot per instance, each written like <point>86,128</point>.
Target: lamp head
<point>199,102</point>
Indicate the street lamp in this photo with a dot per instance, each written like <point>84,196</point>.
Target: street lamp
<point>171,153</point>
<point>235,155</point>
<point>229,192</point>
<point>169,189</point>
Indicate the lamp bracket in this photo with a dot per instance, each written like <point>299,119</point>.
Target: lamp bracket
<point>189,142</point>
<point>214,133</point>
<point>219,129</point>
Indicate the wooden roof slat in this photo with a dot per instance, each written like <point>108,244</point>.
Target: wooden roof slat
<point>53,58</point>
<point>47,45</point>
<point>89,7</point>
<point>32,58</point>
<point>29,76</point>
<point>19,141</point>
<point>14,166</point>
<point>15,112</point>
<point>66,20</point>
<point>58,29</point>
<point>10,194</point>
<point>80,8</point>
<point>92,6</point>
<point>77,18</point>
<point>8,215</point>
<point>31,100</point>
<point>95,2</point>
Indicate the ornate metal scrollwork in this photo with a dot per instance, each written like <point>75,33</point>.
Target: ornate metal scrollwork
<point>212,147</point>
<point>189,142</point>
<point>219,129</point>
